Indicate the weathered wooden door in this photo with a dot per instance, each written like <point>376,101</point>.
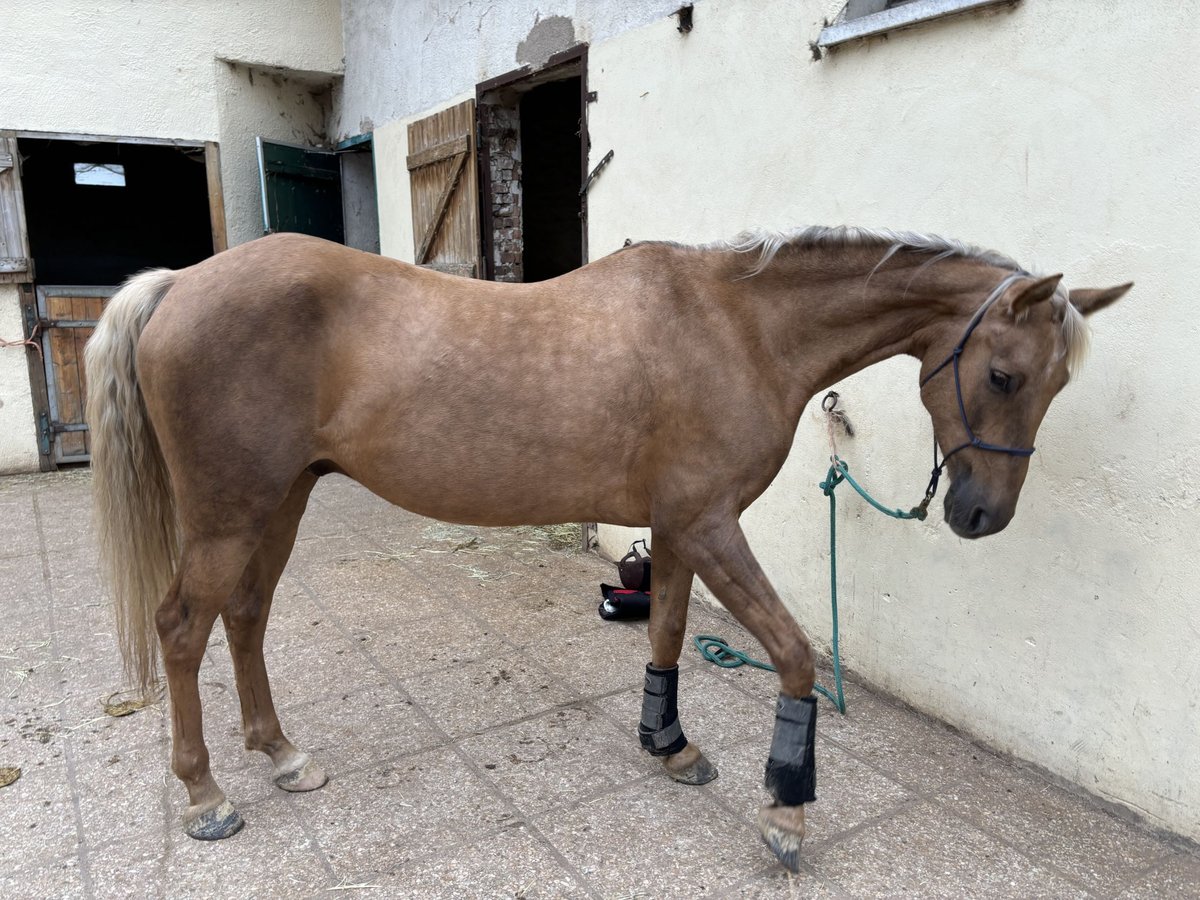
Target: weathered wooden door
<point>67,317</point>
<point>15,263</point>
<point>301,190</point>
<point>445,191</point>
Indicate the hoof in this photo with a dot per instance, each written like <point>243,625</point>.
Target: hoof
<point>690,766</point>
<point>782,829</point>
<point>216,824</point>
<point>305,775</point>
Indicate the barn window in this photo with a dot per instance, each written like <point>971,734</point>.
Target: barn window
<point>104,174</point>
<point>865,18</point>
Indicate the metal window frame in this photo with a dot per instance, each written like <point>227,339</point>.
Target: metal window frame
<point>916,12</point>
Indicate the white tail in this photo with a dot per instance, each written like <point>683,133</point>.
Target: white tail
<point>134,505</point>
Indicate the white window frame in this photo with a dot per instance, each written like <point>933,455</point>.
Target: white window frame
<point>914,12</point>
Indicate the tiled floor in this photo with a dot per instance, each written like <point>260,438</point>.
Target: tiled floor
<point>477,720</point>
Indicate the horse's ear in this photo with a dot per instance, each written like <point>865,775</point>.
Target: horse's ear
<point>1026,293</point>
<point>1089,300</point>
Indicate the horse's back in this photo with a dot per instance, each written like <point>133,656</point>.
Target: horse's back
<point>461,399</point>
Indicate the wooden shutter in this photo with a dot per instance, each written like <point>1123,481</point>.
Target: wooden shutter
<point>15,264</point>
<point>445,191</point>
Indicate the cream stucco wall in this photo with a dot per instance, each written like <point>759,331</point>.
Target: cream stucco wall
<point>145,68</point>
<point>140,68</point>
<point>1063,134</point>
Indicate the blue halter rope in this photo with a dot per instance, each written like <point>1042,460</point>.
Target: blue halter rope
<point>973,440</point>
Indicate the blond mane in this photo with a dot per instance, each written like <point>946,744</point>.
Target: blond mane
<point>765,245</point>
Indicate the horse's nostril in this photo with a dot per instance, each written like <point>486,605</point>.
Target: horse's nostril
<point>979,521</point>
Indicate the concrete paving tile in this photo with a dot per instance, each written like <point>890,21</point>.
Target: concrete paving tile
<point>354,729</point>
<point>756,683</point>
<point>270,857</point>
<point>76,563</point>
<point>557,758</point>
<point>848,792</point>
<point>783,885</point>
<point>512,863</point>
<point>1093,847</point>
<point>656,839</point>
<point>524,619</point>
<point>94,733</point>
<point>59,878</point>
<point>326,551</point>
<point>17,524</point>
<point>1177,876</point>
<point>923,851</point>
<point>377,821</point>
<point>80,538</point>
<point>448,637</point>
<point>597,661</point>
<point>473,697</point>
<point>372,595</point>
<point>920,753</point>
<point>37,818</point>
<point>308,672</point>
<point>121,794</point>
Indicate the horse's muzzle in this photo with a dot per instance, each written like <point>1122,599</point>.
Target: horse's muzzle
<point>968,513</point>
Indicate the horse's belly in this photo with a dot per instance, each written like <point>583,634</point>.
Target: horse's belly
<point>489,485</point>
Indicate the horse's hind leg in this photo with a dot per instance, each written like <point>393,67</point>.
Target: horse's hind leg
<point>209,569</point>
<point>659,729</point>
<point>246,623</point>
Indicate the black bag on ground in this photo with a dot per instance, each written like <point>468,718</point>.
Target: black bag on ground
<point>623,603</point>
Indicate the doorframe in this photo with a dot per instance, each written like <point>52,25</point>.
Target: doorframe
<point>39,388</point>
<point>578,53</point>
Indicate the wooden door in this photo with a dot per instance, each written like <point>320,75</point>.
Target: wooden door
<point>15,264</point>
<point>68,317</point>
<point>445,191</point>
<point>301,190</point>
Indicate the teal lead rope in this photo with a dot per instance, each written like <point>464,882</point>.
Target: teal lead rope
<point>716,651</point>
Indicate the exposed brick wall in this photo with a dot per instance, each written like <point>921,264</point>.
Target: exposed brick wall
<point>502,135</point>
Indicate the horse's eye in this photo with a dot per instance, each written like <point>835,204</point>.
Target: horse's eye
<point>1001,381</point>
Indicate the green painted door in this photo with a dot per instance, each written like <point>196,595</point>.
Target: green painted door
<point>301,190</point>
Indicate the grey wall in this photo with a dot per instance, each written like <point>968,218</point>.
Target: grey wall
<point>404,56</point>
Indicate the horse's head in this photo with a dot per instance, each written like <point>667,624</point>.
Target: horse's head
<point>987,383</point>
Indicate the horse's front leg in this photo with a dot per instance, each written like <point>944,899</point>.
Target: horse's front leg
<point>715,547</point>
<point>659,730</point>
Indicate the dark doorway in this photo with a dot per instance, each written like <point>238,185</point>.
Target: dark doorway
<point>532,139</point>
<point>98,212</point>
<point>550,153</point>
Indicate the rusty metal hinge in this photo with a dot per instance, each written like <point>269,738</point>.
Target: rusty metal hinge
<point>596,171</point>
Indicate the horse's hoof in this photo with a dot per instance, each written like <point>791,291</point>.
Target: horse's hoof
<point>690,766</point>
<point>305,775</point>
<point>782,830</point>
<point>216,824</point>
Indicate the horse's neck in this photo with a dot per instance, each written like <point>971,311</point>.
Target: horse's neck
<point>823,319</point>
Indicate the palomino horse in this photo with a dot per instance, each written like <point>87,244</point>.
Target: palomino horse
<point>220,393</point>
